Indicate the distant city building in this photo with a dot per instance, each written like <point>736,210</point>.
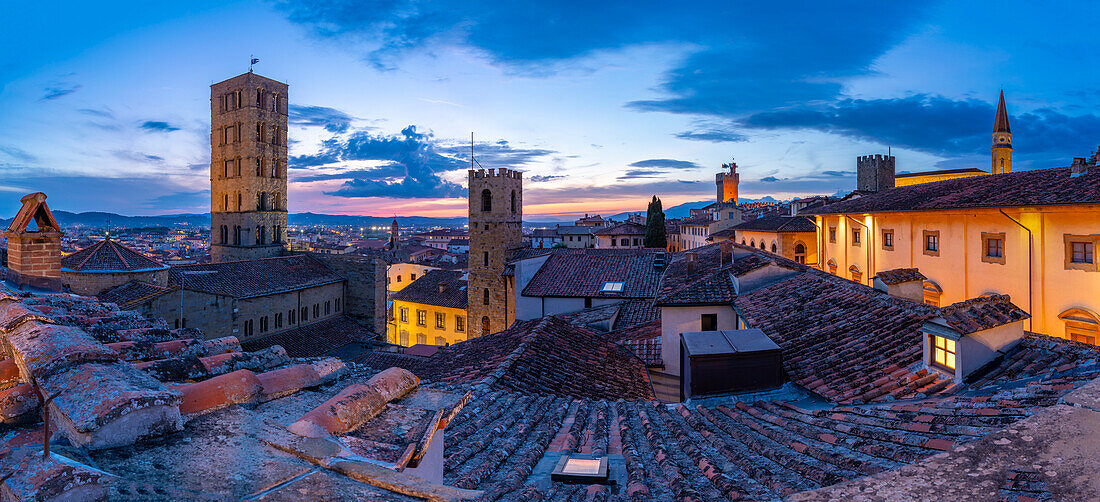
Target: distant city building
<point>431,310</point>
<point>440,238</point>
<point>545,238</point>
<point>459,246</point>
<point>591,221</point>
<point>577,236</point>
<point>620,236</point>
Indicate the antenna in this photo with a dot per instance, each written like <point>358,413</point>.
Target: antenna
<point>108,226</point>
<point>472,159</point>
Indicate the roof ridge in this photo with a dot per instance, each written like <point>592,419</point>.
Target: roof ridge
<point>90,253</point>
<point>118,254</point>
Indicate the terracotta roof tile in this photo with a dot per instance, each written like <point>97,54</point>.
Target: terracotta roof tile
<point>108,255</point>
<point>779,222</point>
<point>900,275</point>
<point>584,273</point>
<point>425,289</point>
<point>249,278</point>
<point>133,293</point>
<point>316,339</point>
<point>981,313</point>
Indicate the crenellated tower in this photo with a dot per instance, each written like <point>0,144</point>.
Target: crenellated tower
<point>1002,140</point>
<point>248,154</point>
<point>727,183</point>
<point>874,172</point>
<point>496,227</point>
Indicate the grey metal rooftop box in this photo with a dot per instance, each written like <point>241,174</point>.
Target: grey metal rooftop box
<point>720,362</point>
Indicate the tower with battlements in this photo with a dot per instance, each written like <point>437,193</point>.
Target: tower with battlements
<point>727,183</point>
<point>874,172</point>
<point>248,155</point>
<point>496,228</point>
<point>1002,140</point>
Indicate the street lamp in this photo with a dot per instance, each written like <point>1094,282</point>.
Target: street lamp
<point>183,280</point>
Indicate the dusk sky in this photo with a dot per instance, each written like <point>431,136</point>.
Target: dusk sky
<point>105,104</point>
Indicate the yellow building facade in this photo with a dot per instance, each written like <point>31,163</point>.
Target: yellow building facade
<point>908,179</point>
<point>430,310</point>
<point>1042,256</point>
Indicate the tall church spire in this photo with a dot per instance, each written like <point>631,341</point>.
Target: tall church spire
<point>1002,140</point>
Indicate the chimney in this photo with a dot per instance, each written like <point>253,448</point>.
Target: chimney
<point>1078,167</point>
<point>34,256</point>
<point>442,287</point>
<point>691,263</point>
<point>726,248</point>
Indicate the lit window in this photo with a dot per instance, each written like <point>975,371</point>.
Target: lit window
<point>460,323</point>
<point>440,320</point>
<point>1081,325</point>
<point>932,243</point>
<point>404,314</point>
<point>943,352</point>
<point>888,239</point>
<point>1082,252</point>
<point>855,236</point>
<point>421,317</point>
<point>612,287</point>
<point>832,234</point>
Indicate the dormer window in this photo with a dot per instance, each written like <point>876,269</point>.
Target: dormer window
<point>612,287</point>
<point>943,352</point>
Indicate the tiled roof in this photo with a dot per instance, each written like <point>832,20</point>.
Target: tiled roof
<point>900,275</point>
<point>941,171</point>
<point>108,255</point>
<point>842,340</point>
<point>425,290</point>
<point>133,293</point>
<point>779,222</point>
<point>711,281</point>
<point>698,221</point>
<point>1041,187</point>
<point>725,233</point>
<point>544,232</point>
<point>249,278</point>
<point>625,228</point>
<point>573,230</point>
<point>635,312</point>
<point>542,356</point>
<point>317,339</point>
<point>981,313</point>
<point>584,272</point>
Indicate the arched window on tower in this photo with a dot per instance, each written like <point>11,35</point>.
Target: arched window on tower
<point>513,202</point>
<point>225,202</point>
<point>774,248</point>
<point>239,201</point>
<point>486,200</point>
<point>224,234</point>
<point>485,325</point>
<point>236,235</point>
<point>485,297</point>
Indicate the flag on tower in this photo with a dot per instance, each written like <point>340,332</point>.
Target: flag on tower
<point>255,60</point>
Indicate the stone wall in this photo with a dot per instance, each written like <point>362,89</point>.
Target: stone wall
<point>874,172</point>
<point>365,290</point>
<point>34,259</point>
<point>92,284</point>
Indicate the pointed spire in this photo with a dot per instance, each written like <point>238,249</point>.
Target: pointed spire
<point>1000,124</point>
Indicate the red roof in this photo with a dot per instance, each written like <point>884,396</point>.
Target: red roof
<point>108,255</point>
<point>575,275</point>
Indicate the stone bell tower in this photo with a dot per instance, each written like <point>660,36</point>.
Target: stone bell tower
<point>496,227</point>
<point>248,154</point>
<point>1002,140</point>
<point>727,183</point>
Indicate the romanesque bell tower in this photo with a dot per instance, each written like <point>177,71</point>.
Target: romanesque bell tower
<point>727,183</point>
<point>248,121</point>
<point>496,227</point>
<point>1002,140</point>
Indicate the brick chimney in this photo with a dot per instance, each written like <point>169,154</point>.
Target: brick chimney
<point>726,248</point>
<point>1079,167</point>
<point>691,263</point>
<point>34,256</point>
<point>442,286</point>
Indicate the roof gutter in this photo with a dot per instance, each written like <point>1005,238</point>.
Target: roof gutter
<point>1030,278</point>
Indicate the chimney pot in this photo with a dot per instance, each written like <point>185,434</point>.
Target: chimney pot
<point>442,287</point>
<point>691,262</point>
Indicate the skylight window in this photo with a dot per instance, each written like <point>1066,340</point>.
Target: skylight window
<point>612,287</point>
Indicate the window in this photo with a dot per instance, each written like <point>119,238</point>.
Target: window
<point>439,340</point>
<point>440,320</point>
<point>1081,325</point>
<point>612,242</point>
<point>612,287</point>
<point>513,201</point>
<point>404,340</point>
<point>263,324</point>
<point>460,323</point>
<point>888,239</point>
<point>993,248</point>
<point>485,325</point>
<point>832,266</point>
<point>485,259</point>
<point>290,316</point>
<point>588,302</point>
<point>932,242</point>
<point>485,297</point>
<point>228,168</point>
<point>943,352</point>
<point>708,322</point>
<point>412,277</point>
<point>304,314</point>
<point>857,275</point>
<point>224,234</point>
<point>316,310</point>
<point>404,314</point>
<point>486,200</point>
<point>328,307</point>
<point>832,234</point>
<point>855,236</point>
<point>624,242</point>
<point>762,246</point>
<point>248,327</point>
<point>932,293</point>
<point>259,134</point>
<point>800,253</point>
<point>236,235</point>
<point>421,317</point>
<point>337,302</point>
<point>421,338</point>
<point>259,167</point>
<point>774,248</point>
<point>279,320</point>
<point>398,278</point>
<point>1081,252</point>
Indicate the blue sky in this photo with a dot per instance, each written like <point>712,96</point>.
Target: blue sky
<point>105,105</point>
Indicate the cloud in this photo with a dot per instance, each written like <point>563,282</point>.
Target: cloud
<point>158,126</point>
<point>375,173</point>
<point>539,178</point>
<point>665,164</point>
<point>137,156</point>
<point>106,114</point>
<point>333,120</point>
<point>936,125</point>
<point>641,173</point>
<point>182,200</point>
<point>17,154</point>
<point>769,179</point>
<point>59,92</point>
<point>838,173</point>
<point>713,136</point>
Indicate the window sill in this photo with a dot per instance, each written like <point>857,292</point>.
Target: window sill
<point>1085,267</point>
<point>999,260</point>
<point>929,252</point>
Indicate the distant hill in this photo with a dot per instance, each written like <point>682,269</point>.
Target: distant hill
<point>98,219</point>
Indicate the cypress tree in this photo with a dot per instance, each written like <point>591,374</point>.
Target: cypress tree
<point>655,225</point>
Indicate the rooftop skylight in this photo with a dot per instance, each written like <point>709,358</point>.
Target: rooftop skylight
<point>612,287</point>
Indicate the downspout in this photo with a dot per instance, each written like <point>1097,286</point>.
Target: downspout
<point>869,275</point>
<point>822,256</point>
<point>1030,247</point>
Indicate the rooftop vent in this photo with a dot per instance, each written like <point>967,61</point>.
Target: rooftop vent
<point>659,261</point>
<point>581,469</point>
<point>721,362</point>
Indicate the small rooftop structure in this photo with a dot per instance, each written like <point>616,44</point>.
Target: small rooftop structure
<point>725,361</point>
